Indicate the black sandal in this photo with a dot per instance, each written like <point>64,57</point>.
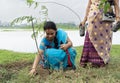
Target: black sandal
<point>81,30</point>
<point>116,27</point>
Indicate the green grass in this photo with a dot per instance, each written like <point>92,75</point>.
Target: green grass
<point>108,74</point>
<point>10,56</point>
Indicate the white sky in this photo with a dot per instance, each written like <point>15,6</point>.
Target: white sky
<point>11,9</point>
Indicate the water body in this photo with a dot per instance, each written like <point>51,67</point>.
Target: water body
<point>21,41</point>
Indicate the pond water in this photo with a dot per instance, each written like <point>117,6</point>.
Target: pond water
<point>21,41</point>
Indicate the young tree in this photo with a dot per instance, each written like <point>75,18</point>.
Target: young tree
<point>36,23</point>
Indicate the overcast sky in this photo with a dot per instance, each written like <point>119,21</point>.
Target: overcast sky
<point>11,9</point>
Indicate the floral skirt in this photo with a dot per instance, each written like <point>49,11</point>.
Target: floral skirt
<point>90,55</point>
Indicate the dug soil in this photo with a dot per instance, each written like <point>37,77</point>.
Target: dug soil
<point>14,68</point>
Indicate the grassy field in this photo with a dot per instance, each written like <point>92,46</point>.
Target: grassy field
<point>14,68</point>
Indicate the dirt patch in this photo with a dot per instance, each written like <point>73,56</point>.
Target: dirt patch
<point>8,70</point>
<point>16,65</point>
<point>43,73</point>
<point>14,68</point>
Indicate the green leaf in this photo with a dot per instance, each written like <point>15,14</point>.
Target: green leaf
<point>21,19</point>
<point>43,7</point>
<point>30,2</point>
<point>36,4</point>
<point>105,5</point>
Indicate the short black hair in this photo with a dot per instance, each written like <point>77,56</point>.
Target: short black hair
<point>50,25</point>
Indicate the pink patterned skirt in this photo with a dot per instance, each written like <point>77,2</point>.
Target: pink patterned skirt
<point>90,55</point>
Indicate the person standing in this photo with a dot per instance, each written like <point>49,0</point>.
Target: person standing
<point>98,38</point>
